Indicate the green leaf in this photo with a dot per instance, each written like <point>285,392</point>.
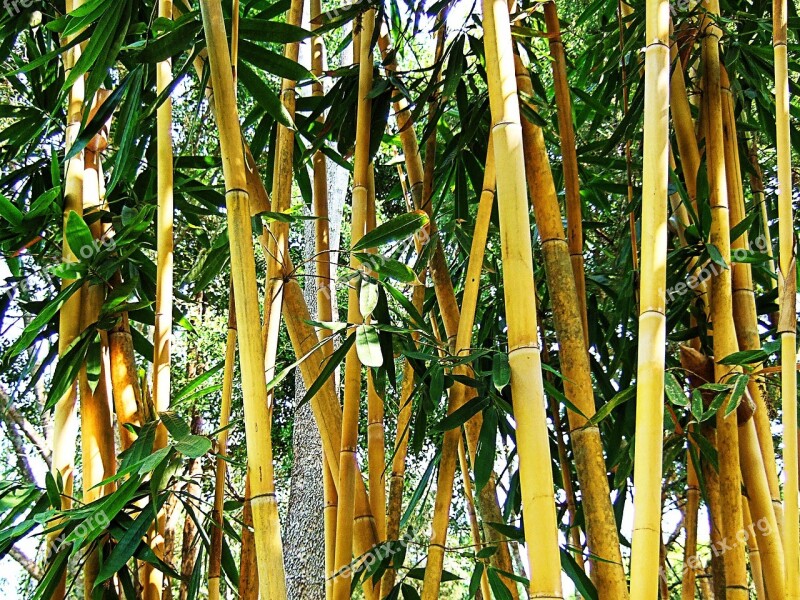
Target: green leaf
<point>126,545</point>
<point>264,96</point>
<point>330,365</point>
<point>674,390</point>
<point>463,414</point>
<point>79,237</point>
<point>387,267</point>
<point>399,228</point>
<point>716,256</point>
<point>740,382</point>
<point>171,43</point>
<point>499,589</point>
<point>194,446</point>
<point>368,346</point>
<point>487,447</point>
<point>176,426</point>
<point>10,212</point>
<point>745,357</point>
<point>578,576</point>
<point>368,297</point>
<point>605,410</point>
<point>501,371</point>
<point>272,62</point>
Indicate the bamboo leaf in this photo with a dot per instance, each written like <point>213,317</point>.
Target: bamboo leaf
<point>399,228</point>
<point>487,447</point>
<point>501,371</point>
<point>674,390</point>
<point>368,346</point>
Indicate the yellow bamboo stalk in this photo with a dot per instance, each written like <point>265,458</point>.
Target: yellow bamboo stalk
<point>248,563</point>
<point>215,552</point>
<point>97,430</point>
<point>725,342</point>
<point>690,516</point>
<point>756,568</point>
<point>787,288</point>
<point>162,335</point>
<point>652,315</point>
<point>536,476</point>
<point>761,502</point>
<point>376,440</point>
<point>566,131</point>
<point>397,476</point>
<point>125,384</point>
<point>152,578</point>
<point>757,187</point>
<point>473,516</point>
<point>601,528</point>
<point>65,422</point>
<point>352,380</point>
<point>449,310</point>
<point>272,580</point>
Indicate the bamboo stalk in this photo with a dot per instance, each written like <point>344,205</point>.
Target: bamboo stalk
<point>323,284</point>
<point>448,305</point>
<point>352,380</point>
<point>566,131</point>
<point>65,422</point>
<point>152,578</point>
<point>652,315</point>
<point>376,441</point>
<point>761,500</point>
<point>125,384</point>
<point>536,477</point>
<point>397,476</point>
<point>248,564</point>
<point>690,520</point>
<point>215,551</point>
<point>725,342</point>
<point>756,568</point>
<point>97,431</point>
<point>787,288</point>
<point>473,516</point>
<point>272,581</point>
<point>757,187</point>
<point>601,528</point>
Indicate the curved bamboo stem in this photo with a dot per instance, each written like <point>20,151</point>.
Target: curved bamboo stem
<point>272,581</point>
<point>725,342</point>
<point>787,288</point>
<point>652,311</point>
<point>536,476</point>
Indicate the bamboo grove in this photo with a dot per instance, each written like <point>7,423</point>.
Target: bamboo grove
<point>382,300</point>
